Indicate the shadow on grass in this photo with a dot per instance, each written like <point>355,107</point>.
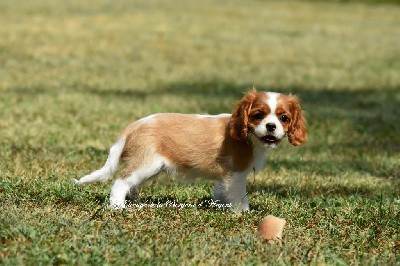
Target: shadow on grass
<point>320,193</point>
<point>335,168</point>
<point>207,89</point>
<point>286,191</point>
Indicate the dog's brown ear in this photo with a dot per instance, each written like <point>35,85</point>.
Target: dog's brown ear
<point>240,116</point>
<point>297,132</point>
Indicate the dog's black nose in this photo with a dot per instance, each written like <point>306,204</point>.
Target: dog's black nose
<point>271,127</point>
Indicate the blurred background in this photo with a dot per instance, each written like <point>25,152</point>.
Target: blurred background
<point>151,45</point>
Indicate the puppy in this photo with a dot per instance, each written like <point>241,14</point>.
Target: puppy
<point>224,148</point>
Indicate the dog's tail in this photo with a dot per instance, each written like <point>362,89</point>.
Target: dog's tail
<point>109,168</point>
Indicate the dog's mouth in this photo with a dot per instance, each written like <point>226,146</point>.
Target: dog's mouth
<point>269,139</point>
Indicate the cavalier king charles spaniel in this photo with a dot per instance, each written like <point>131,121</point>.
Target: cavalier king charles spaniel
<point>224,148</point>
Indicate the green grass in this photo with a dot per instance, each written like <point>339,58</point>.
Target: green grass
<point>73,74</point>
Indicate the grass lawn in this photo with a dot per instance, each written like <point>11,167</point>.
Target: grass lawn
<point>75,73</point>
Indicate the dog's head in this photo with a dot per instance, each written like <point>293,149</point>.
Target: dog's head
<point>267,117</point>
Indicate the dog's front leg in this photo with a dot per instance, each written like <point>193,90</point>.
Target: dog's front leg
<point>232,191</point>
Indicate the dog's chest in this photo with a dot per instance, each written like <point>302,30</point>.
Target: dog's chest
<point>258,159</point>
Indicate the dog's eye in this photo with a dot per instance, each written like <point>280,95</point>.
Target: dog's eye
<point>284,118</point>
<point>258,116</point>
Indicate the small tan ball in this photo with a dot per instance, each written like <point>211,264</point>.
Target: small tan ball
<point>271,228</point>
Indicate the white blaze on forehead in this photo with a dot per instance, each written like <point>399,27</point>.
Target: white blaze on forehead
<point>260,130</point>
<point>272,101</point>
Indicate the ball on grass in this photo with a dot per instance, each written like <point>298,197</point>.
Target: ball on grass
<point>271,228</point>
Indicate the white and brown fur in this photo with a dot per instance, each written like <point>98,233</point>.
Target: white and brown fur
<point>225,148</point>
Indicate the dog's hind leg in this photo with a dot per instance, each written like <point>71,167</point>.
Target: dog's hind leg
<point>122,186</point>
